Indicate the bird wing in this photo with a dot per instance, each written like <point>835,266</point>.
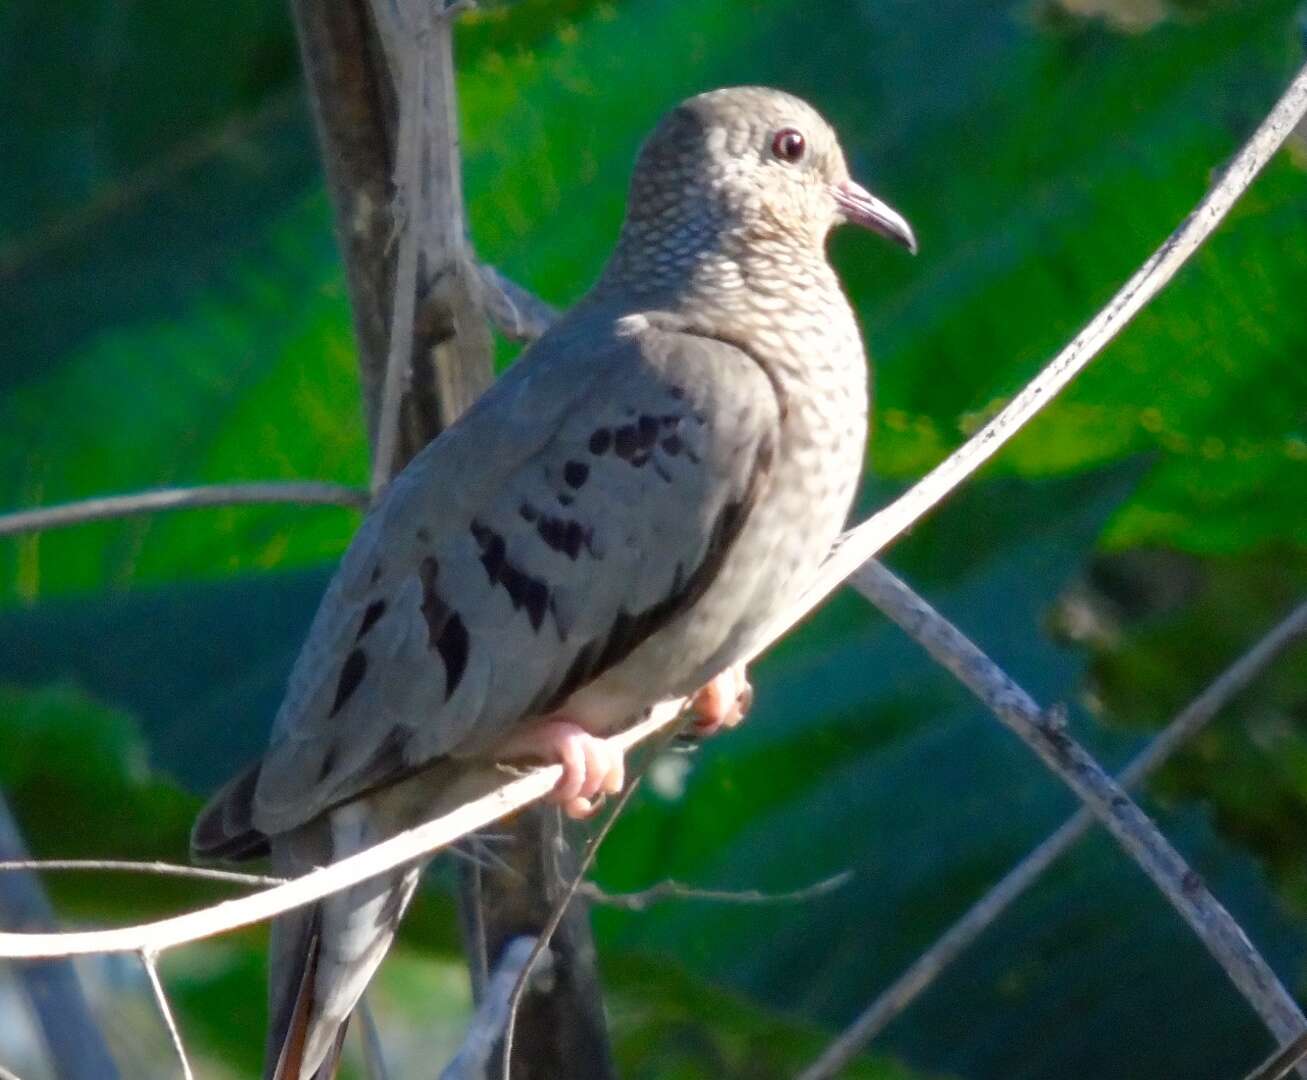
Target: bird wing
<point>579,506</point>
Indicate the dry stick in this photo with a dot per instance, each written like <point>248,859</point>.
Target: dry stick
<point>148,502</point>
<point>675,890</point>
<point>407,206</point>
<point>374,1055</point>
<point>518,314</point>
<point>868,538</point>
<point>163,869</point>
<point>895,998</point>
<point>560,906</point>
<point>1045,732</point>
<point>473,1057</point>
<point>1282,1062</point>
<point>148,958</point>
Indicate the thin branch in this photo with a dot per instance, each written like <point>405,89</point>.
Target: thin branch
<point>895,998</point>
<point>561,904</point>
<point>374,1054</point>
<point>675,890</point>
<point>488,1021</point>
<point>5,1074</point>
<point>161,999</point>
<point>103,507</point>
<point>1045,732</point>
<point>75,1044</point>
<point>499,798</point>
<point>130,191</point>
<point>409,69</point>
<point>516,312</point>
<point>163,869</point>
<point>1282,1062</point>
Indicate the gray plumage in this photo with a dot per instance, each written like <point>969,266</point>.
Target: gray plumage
<point>613,523</point>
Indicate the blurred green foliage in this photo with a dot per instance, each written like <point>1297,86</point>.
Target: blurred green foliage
<point>172,310</point>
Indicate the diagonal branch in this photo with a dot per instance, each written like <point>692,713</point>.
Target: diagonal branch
<point>918,977</point>
<point>148,961</point>
<point>1044,731</point>
<point>309,493</point>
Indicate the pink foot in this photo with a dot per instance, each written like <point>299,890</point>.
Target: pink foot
<point>591,765</point>
<point>723,702</point>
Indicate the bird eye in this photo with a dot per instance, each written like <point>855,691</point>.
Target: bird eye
<point>788,145</point>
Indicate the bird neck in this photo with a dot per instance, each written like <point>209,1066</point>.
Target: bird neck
<point>735,268</point>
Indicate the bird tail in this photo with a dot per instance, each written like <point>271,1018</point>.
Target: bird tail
<point>322,957</point>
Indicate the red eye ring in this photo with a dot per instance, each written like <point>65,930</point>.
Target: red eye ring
<point>788,145</point>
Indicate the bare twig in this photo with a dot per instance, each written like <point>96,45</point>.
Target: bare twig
<point>518,314</point>
<point>1045,732</point>
<point>132,190</point>
<point>895,998</point>
<point>148,961</point>
<point>163,869</point>
<point>374,1054</point>
<point>1282,1062</point>
<point>473,1057</point>
<point>150,502</point>
<point>409,68</point>
<point>75,1043</point>
<point>561,904</point>
<point>674,890</point>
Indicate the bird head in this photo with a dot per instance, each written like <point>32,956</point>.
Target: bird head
<point>753,163</point>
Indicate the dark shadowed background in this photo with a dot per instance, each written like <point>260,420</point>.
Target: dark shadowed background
<point>172,310</point>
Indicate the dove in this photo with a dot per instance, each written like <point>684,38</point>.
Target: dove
<point>614,523</point>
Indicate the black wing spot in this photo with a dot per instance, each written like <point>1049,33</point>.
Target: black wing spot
<point>676,392</point>
<point>453,648</point>
<point>600,441</point>
<point>536,598</point>
<point>575,473</point>
<point>647,432</point>
<point>523,590</point>
<point>528,512</point>
<point>494,552</point>
<point>328,763</point>
<point>424,534</point>
<point>672,445</point>
<point>565,499</point>
<point>351,674</point>
<point>375,575</point>
<point>434,610</point>
<point>376,609</point>
<point>626,440</point>
<point>562,535</point>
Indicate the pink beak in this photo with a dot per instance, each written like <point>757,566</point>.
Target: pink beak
<point>860,207</point>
